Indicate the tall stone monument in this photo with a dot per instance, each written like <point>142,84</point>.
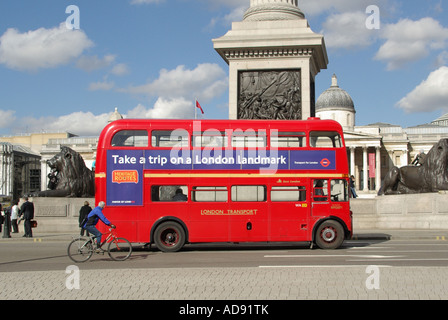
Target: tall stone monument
<point>273,57</point>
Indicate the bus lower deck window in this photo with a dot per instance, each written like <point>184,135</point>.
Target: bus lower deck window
<point>169,193</point>
<point>290,193</point>
<point>209,194</point>
<point>248,193</point>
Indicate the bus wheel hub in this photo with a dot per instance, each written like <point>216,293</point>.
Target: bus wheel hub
<point>328,234</point>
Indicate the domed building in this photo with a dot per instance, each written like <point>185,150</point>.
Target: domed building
<point>335,103</point>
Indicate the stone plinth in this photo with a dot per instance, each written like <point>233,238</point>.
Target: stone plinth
<point>416,211</point>
<point>274,37</point>
<point>57,215</point>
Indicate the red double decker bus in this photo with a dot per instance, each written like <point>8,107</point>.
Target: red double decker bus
<point>172,182</point>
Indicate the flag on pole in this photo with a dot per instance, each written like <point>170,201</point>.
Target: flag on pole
<point>199,106</point>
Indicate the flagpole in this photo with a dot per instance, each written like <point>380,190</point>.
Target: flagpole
<point>195,109</point>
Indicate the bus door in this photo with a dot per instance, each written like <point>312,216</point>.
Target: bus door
<point>209,219</point>
<point>320,198</point>
<point>289,212</point>
<point>248,213</point>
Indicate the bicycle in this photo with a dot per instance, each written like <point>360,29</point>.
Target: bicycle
<point>82,249</point>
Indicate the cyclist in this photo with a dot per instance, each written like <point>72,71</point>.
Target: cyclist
<point>92,219</point>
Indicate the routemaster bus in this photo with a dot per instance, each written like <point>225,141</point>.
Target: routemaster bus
<point>172,182</point>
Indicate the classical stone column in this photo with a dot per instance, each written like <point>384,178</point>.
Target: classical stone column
<point>352,161</point>
<point>365,167</point>
<point>378,169</point>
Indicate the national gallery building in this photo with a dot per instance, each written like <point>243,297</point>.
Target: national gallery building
<point>375,148</point>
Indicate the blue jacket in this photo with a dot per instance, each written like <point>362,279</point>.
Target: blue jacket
<point>95,215</point>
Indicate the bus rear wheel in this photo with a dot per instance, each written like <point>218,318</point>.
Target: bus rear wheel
<point>169,237</point>
<point>329,235</point>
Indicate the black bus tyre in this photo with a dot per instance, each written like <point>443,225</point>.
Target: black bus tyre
<point>169,236</point>
<point>329,235</point>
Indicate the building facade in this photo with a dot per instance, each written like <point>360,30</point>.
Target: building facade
<point>376,148</point>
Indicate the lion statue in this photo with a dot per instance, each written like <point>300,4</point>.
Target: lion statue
<point>430,176</point>
<point>73,178</point>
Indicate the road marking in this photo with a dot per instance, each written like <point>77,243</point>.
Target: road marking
<point>370,256</point>
<point>403,259</point>
<point>324,266</point>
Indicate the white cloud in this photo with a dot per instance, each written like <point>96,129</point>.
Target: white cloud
<point>42,48</point>
<point>91,63</point>
<point>102,86</point>
<point>7,118</point>
<point>206,81</point>
<point>176,108</point>
<point>79,123</point>
<point>313,7</point>
<point>430,95</point>
<point>120,69</point>
<point>348,30</point>
<point>408,41</point>
<point>177,89</point>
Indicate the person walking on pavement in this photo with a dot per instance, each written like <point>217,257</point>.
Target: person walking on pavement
<point>15,217</point>
<point>27,210</point>
<point>92,219</point>
<point>83,213</point>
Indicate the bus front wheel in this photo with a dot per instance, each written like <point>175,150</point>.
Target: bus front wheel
<point>169,237</point>
<point>329,235</point>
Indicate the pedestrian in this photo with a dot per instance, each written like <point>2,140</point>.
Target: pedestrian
<point>15,217</point>
<point>352,187</point>
<point>83,213</point>
<point>2,217</point>
<point>27,210</point>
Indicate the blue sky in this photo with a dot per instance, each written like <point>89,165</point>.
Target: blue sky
<point>151,58</point>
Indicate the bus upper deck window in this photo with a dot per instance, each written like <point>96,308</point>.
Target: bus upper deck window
<point>248,139</point>
<point>210,139</point>
<point>169,138</point>
<point>325,139</point>
<point>130,138</point>
<point>288,139</point>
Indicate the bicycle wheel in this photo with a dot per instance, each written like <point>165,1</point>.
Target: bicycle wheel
<point>80,250</point>
<point>119,249</point>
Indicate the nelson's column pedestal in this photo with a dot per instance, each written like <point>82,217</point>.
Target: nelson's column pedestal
<point>273,58</point>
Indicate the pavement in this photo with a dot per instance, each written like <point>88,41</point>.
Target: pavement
<point>193,289</point>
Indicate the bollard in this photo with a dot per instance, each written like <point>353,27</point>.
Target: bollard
<point>7,224</point>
